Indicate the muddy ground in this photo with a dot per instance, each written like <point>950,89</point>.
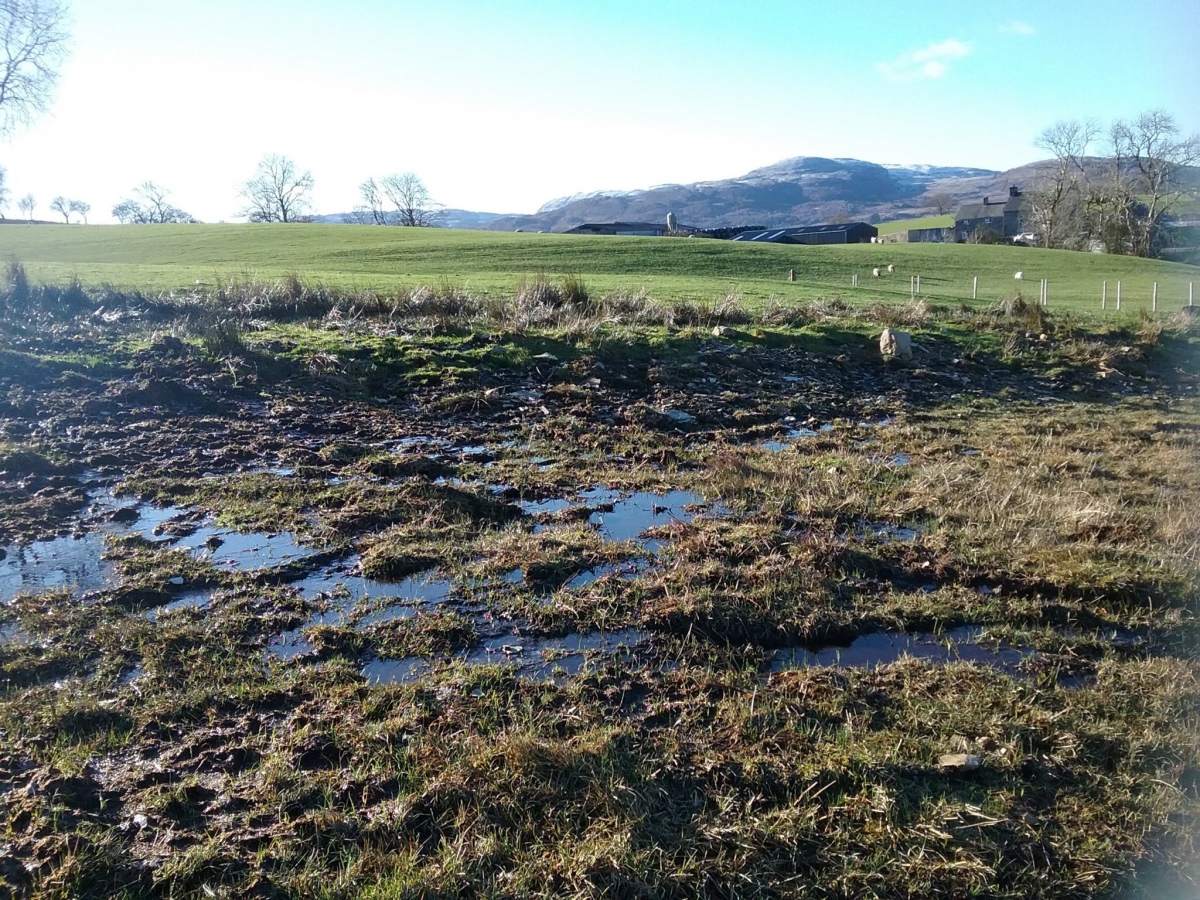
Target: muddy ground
<point>329,596</point>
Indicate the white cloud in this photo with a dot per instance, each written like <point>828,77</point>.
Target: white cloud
<point>928,62</point>
<point>1017,28</point>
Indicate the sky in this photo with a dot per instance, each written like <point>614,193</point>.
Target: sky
<point>501,106</point>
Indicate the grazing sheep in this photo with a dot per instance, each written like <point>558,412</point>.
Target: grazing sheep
<point>1019,276</point>
<point>891,268</point>
<point>875,272</point>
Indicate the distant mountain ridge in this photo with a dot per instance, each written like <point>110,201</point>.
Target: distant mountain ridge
<point>802,190</point>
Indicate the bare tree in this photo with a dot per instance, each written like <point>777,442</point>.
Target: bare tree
<point>1151,152</point>
<point>149,206</point>
<point>32,46</point>
<point>62,206</point>
<point>1057,202</point>
<point>78,206</point>
<point>941,203</point>
<point>277,192</point>
<point>410,198</point>
<point>372,208</point>
<point>27,205</point>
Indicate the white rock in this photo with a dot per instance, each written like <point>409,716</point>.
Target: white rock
<point>896,344</point>
<point>959,762</point>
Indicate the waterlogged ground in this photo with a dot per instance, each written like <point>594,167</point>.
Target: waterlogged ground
<point>310,596</point>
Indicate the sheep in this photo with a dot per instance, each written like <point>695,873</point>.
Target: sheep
<point>891,268</point>
<point>1019,276</point>
<point>875,272</point>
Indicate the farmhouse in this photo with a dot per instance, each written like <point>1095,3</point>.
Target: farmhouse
<point>1005,217</point>
<point>841,233</point>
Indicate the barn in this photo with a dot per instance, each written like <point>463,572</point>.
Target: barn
<point>645,229</point>
<point>840,233</point>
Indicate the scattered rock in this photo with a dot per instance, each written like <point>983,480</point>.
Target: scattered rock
<point>679,417</point>
<point>896,344</point>
<point>959,762</point>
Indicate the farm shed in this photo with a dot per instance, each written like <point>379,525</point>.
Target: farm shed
<point>1006,217</point>
<point>918,236</point>
<point>841,233</point>
<point>626,228</point>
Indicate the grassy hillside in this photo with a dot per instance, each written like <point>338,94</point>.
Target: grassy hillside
<point>166,257</point>
<point>906,224</point>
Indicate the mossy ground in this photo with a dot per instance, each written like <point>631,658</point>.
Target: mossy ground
<point>1029,476</point>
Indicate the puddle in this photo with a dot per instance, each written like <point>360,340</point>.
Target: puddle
<point>344,578</point>
<point>791,435</point>
<point>228,549</point>
<point>633,515</point>
<point>882,647</point>
<point>288,645</point>
<point>396,671</point>
<point>189,600</point>
<point>626,571</point>
<point>535,658</point>
<point>12,634</point>
<point>538,507</point>
<point>885,533</point>
<point>551,658</point>
<point>63,563</point>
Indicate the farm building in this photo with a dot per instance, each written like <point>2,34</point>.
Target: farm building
<point>841,233</point>
<point>919,236</point>
<point>626,228</point>
<point>1005,217</point>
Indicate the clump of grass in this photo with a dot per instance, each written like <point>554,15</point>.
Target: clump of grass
<point>222,339</point>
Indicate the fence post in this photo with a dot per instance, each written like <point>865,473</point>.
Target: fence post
<point>1104,295</point>
<point>1118,295</point>
<point>918,284</point>
<point>912,285</point>
<point>1189,293</point>
<point>975,288</point>
<point>791,274</point>
<point>1154,299</point>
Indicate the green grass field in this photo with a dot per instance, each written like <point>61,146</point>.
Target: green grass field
<point>924,222</point>
<point>170,257</point>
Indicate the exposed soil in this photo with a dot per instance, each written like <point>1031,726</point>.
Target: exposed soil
<point>310,607</point>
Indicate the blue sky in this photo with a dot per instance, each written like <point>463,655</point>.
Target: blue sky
<point>501,106</point>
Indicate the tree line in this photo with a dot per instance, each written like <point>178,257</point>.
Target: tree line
<point>1121,200</point>
<point>277,192</point>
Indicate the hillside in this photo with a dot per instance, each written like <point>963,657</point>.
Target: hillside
<point>364,257</point>
<point>801,190</point>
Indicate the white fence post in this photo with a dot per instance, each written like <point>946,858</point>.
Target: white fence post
<point>975,288</point>
<point>918,284</point>
<point>1154,299</point>
<point>1104,295</point>
<point>1118,295</point>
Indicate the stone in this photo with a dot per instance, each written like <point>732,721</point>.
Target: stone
<point>679,416</point>
<point>959,762</point>
<point>896,344</point>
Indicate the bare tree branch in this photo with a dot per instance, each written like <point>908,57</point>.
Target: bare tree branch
<point>277,192</point>
<point>33,45</point>
<point>410,198</point>
<point>149,206</point>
